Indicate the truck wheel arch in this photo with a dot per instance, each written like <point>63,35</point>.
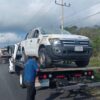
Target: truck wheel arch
<point>41,46</point>
<point>47,61</point>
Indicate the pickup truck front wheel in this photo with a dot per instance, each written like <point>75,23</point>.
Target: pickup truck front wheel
<point>82,63</point>
<point>44,58</point>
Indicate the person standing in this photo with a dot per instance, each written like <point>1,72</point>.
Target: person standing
<point>30,71</point>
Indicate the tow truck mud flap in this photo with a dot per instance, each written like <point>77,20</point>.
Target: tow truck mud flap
<point>42,83</point>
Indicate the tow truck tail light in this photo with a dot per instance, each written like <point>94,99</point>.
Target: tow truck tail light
<point>60,76</point>
<point>78,75</point>
<point>44,76</point>
<point>90,73</point>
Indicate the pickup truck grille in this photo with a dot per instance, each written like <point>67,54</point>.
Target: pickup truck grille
<point>74,42</point>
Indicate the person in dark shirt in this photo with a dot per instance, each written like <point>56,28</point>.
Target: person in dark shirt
<point>30,71</point>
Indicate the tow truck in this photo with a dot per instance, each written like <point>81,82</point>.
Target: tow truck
<point>58,77</point>
<point>4,55</point>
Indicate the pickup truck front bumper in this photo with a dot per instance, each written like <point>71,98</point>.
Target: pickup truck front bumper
<point>68,53</point>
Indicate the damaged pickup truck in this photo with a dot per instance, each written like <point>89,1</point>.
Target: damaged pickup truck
<point>51,47</point>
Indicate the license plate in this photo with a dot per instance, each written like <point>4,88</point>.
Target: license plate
<point>44,82</point>
<point>78,48</point>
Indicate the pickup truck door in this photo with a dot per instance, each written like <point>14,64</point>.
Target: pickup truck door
<point>28,46</point>
<point>27,43</point>
<point>34,43</point>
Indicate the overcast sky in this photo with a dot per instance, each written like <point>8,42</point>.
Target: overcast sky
<point>17,17</point>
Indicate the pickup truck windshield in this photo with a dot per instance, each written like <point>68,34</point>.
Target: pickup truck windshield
<point>54,32</point>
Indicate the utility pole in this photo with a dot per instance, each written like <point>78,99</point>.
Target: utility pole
<point>62,4</point>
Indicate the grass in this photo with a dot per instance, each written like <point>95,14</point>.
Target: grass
<point>97,75</point>
<point>95,62</point>
<point>95,92</point>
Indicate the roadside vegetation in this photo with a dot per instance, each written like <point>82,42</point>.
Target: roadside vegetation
<point>94,34</point>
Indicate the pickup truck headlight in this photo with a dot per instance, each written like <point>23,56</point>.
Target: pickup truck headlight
<point>55,41</point>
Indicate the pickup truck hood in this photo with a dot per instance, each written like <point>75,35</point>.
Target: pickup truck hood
<point>67,36</point>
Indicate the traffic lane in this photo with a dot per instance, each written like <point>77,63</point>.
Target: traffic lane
<point>10,89</point>
<point>9,85</point>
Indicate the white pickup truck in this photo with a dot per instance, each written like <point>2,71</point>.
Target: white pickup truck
<point>51,47</point>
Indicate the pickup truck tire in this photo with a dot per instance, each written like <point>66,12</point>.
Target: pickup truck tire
<point>44,58</point>
<point>82,63</point>
<point>21,80</point>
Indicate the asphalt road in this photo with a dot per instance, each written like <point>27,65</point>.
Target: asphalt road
<point>10,90</point>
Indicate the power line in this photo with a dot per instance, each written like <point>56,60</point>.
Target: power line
<point>74,14</point>
<point>86,17</point>
<point>42,7</point>
<point>38,13</point>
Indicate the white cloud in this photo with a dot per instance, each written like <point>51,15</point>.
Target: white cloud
<point>9,38</point>
<point>25,14</point>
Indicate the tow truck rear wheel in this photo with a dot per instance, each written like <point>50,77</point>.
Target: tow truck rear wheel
<point>82,63</point>
<point>21,80</point>
<point>44,58</point>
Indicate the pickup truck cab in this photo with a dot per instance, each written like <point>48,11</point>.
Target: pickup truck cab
<point>51,47</point>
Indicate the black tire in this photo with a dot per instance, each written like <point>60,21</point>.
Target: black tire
<point>21,80</point>
<point>82,63</point>
<point>44,58</point>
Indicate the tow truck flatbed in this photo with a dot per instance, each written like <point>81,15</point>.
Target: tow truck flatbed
<point>68,69</point>
<point>56,69</point>
<point>71,70</point>
<point>68,77</point>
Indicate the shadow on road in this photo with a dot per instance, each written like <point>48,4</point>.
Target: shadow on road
<point>73,95</point>
<point>79,94</point>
